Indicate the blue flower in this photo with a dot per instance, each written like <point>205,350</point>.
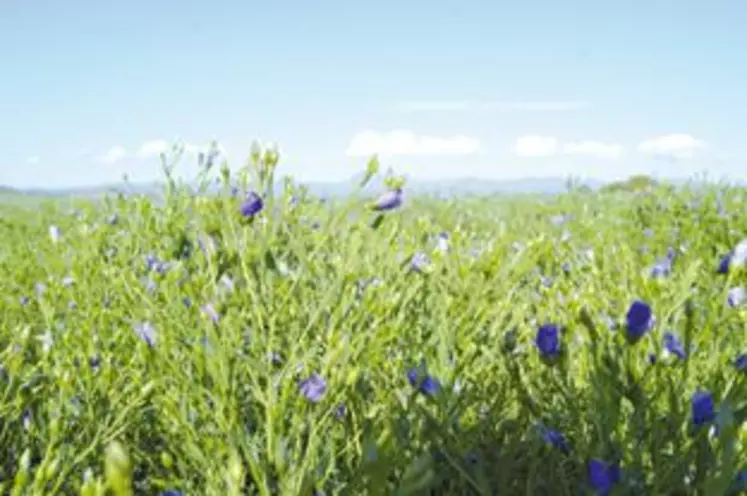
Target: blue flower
<point>147,333</point>
<point>662,268</point>
<point>548,341</point>
<point>252,205</point>
<point>736,297</point>
<point>389,201</point>
<point>639,320</point>
<point>209,311</point>
<point>674,346</point>
<point>555,438</point>
<point>724,263</point>
<point>741,362</point>
<point>419,262</point>
<point>703,408</point>
<point>313,388</point>
<point>603,476</point>
<point>425,383</point>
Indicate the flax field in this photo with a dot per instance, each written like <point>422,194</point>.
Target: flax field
<point>257,339</point>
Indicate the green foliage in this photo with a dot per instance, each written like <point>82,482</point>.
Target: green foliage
<point>216,407</point>
<point>631,185</point>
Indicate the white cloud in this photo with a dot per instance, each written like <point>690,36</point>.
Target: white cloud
<point>596,149</point>
<point>115,154</point>
<point>403,142</point>
<point>33,160</point>
<point>153,148</point>
<point>478,106</point>
<point>535,146</point>
<point>679,146</point>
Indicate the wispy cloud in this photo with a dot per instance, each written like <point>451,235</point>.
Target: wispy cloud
<point>115,154</point>
<point>596,149</point>
<point>672,146</point>
<point>536,146</point>
<point>491,106</point>
<point>405,142</point>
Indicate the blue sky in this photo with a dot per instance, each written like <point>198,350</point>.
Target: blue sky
<point>439,89</point>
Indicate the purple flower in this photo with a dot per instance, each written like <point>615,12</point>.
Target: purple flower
<point>425,384</point>
<point>724,263</point>
<point>548,341</point>
<point>703,408</point>
<point>674,346</point>
<point>390,200</point>
<point>603,476</point>
<point>639,320</point>
<point>736,297</point>
<point>54,233</point>
<point>313,388</point>
<point>153,263</point>
<point>211,313</point>
<point>662,268</point>
<point>739,255</point>
<point>741,362</point>
<point>419,262</point>
<point>252,205</point>
<point>146,332</point>
<point>555,438</point>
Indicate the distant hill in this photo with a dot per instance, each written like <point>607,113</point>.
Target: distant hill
<point>451,187</point>
<point>342,188</point>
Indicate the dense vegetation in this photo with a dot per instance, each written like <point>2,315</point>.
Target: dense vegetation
<point>251,343</point>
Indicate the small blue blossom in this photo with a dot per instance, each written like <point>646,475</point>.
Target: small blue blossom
<point>389,201</point>
<point>662,268</point>
<point>703,408</point>
<point>603,476</point>
<point>146,332</point>
<point>736,297</point>
<point>555,438</point>
<point>741,362</point>
<point>419,262</point>
<point>425,383</point>
<point>739,255</point>
<point>209,311</point>
<point>313,388</point>
<point>548,341</point>
<point>639,320</point>
<point>252,205</point>
<point>673,345</point>
<point>54,233</point>
<point>724,264</point>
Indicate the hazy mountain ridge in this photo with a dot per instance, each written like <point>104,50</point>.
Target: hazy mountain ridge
<point>442,187</point>
<point>466,185</point>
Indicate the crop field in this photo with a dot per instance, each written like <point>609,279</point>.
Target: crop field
<point>264,341</point>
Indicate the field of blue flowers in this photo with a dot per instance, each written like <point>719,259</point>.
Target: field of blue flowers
<point>273,343</point>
